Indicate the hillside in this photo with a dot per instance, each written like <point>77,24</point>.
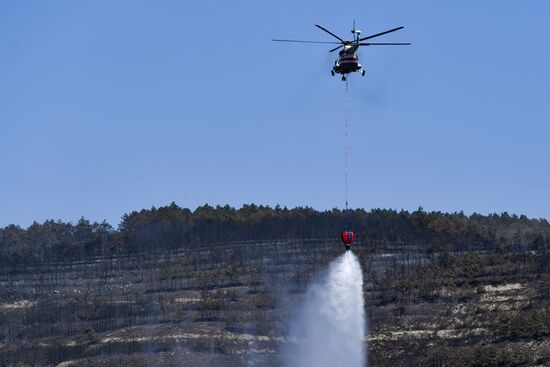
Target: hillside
<point>219,286</point>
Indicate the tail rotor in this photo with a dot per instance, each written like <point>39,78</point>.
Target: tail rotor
<point>355,32</point>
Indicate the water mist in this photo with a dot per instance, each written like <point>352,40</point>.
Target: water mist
<point>330,327</point>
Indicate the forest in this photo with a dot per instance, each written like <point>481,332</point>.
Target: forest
<point>174,228</point>
<point>218,286</point>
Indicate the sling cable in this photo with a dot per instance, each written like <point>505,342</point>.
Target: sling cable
<point>347,235</point>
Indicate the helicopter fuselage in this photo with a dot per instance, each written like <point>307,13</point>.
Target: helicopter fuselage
<point>348,61</point>
<point>347,64</point>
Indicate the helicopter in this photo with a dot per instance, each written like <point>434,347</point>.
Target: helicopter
<point>348,61</point>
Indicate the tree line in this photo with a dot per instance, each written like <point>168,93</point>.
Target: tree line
<point>172,227</point>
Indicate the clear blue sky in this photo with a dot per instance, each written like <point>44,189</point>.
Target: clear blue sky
<point>114,106</point>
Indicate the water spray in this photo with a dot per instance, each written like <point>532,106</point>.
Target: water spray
<point>330,328</point>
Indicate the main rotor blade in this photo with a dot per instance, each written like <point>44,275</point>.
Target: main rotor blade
<point>384,44</point>
<point>329,32</point>
<point>380,34</point>
<point>332,43</point>
<point>336,48</point>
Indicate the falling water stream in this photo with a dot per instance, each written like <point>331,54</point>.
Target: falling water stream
<point>330,327</point>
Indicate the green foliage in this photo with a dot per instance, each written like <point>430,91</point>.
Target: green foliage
<point>172,227</point>
<point>530,323</point>
<point>492,356</point>
<point>485,356</point>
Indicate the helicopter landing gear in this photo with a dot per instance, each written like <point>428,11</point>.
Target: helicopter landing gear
<point>343,78</point>
<point>363,73</point>
<point>332,72</point>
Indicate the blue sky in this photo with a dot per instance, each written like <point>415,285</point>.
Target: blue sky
<point>109,107</point>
